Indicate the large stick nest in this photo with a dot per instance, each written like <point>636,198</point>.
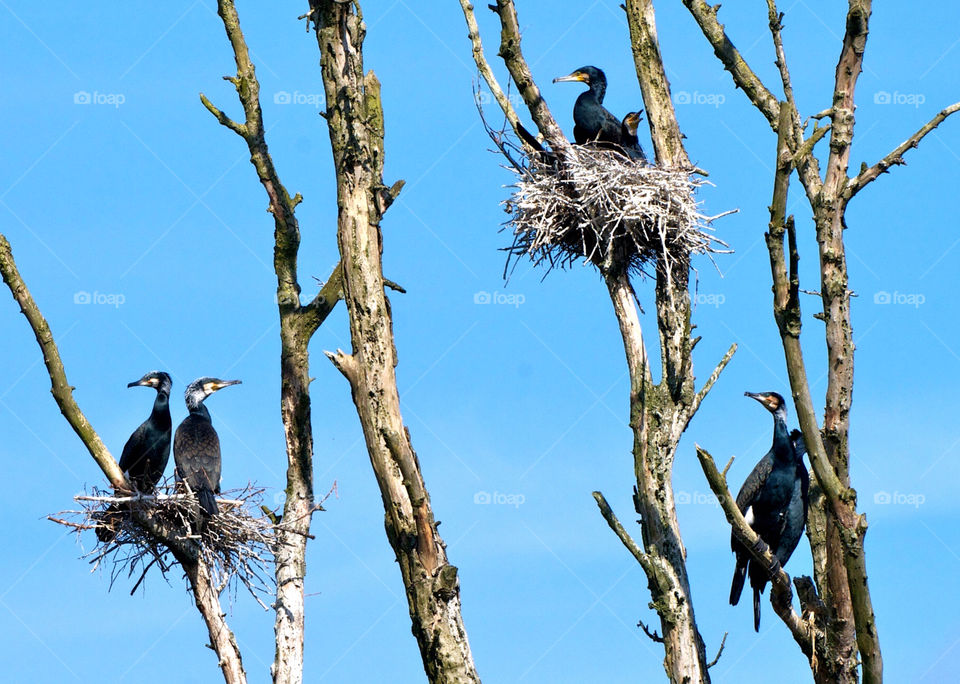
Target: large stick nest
<point>236,544</point>
<point>614,212</point>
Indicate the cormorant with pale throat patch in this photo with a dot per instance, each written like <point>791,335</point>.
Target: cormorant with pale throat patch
<point>145,455</point>
<point>196,446</point>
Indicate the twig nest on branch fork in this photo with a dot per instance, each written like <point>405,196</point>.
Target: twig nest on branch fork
<point>614,212</point>
<point>236,544</point>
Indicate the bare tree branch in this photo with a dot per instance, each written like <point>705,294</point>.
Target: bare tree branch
<point>714,376</point>
<point>775,20</point>
<point>297,325</point>
<point>781,592</point>
<point>483,66</point>
<point>648,62</point>
<point>61,389</point>
<point>723,642</point>
<point>185,551</point>
<point>743,76</point>
<point>520,72</point>
<point>869,174</point>
<point>618,529</point>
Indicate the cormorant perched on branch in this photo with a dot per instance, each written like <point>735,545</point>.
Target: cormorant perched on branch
<point>631,144</point>
<point>773,500</point>
<point>146,452</point>
<point>592,122</point>
<point>196,447</point>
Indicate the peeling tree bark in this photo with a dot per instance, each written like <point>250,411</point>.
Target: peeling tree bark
<point>298,323</point>
<point>355,117</point>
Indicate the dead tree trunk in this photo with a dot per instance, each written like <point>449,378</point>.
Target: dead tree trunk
<point>298,323</point>
<point>659,412</point>
<point>206,596</point>
<point>836,530</point>
<point>355,118</point>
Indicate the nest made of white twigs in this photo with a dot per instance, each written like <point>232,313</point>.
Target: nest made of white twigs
<point>236,544</point>
<point>614,212</point>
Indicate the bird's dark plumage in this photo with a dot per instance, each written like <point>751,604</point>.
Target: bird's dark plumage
<point>146,453</point>
<point>591,121</point>
<point>196,446</point>
<point>773,499</point>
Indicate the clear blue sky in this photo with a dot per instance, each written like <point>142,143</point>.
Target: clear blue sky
<point>140,196</point>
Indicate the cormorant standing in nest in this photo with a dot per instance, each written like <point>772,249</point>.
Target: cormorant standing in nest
<point>196,447</point>
<point>592,122</point>
<point>146,452</point>
<point>631,144</point>
<point>773,500</point>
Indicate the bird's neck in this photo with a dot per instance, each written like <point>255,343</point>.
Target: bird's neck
<point>161,407</point>
<point>199,410</point>
<point>782,445</point>
<point>598,90</point>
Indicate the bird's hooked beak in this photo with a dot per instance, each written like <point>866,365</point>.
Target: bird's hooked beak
<point>145,382</point>
<point>575,77</point>
<point>220,384</point>
<point>769,402</point>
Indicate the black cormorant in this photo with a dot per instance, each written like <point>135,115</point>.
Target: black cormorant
<point>773,501</point>
<point>592,122</point>
<point>196,447</point>
<point>795,517</point>
<point>631,144</point>
<point>146,452</point>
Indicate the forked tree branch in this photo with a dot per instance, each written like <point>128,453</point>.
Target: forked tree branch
<point>184,551</point>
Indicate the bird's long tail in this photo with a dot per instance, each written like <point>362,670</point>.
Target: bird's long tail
<point>208,501</point>
<point>756,609</point>
<point>739,577</point>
